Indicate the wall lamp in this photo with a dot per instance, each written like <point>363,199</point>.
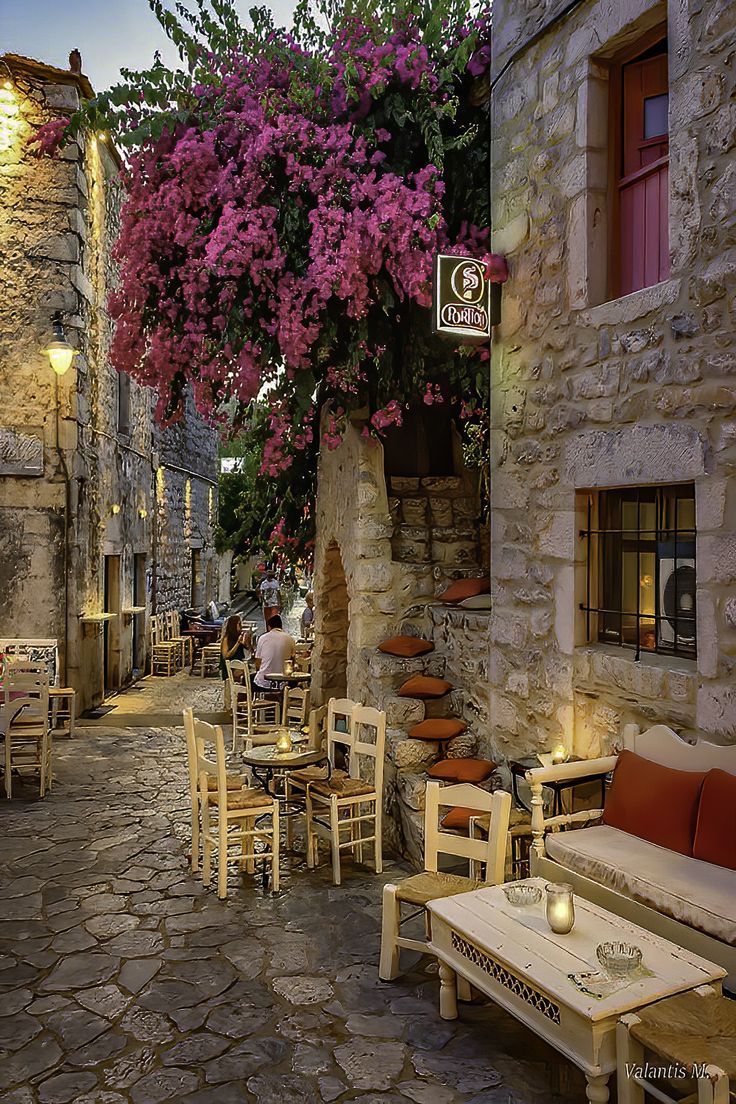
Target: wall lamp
<point>60,353</point>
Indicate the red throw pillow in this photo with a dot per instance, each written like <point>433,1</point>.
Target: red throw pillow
<point>462,770</point>
<point>465,588</point>
<point>653,802</point>
<point>715,833</point>
<point>421,686</point>
<point>460,818</point>
<point>407,647</point>
<point>437,728</point>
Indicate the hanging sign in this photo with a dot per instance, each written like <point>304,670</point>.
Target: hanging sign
<point>465,303</point>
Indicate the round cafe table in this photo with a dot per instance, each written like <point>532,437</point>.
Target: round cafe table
<point>296,678</point>
<point>267,763</point>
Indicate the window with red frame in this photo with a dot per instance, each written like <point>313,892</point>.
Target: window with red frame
<point>642,175</point>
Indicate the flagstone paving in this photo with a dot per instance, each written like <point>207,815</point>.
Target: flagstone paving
<point>123,980</point>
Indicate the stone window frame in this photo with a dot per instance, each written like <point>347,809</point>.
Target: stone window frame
<point>589,234</point>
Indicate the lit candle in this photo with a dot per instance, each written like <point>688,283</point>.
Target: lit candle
<point>559,754</point>
<point>283,740</point>
<point>560,907</point>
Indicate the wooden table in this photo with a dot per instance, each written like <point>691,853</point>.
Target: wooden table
<point>296,678</point>
<point>511,955</point>
<point>267,763</point>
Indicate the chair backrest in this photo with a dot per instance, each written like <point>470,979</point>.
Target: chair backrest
<point>191,753</point>
<point>439,841</point>
<point>173,624</point>
<point>208,739</point>
<point>236,667</point>
<point>296,706</point>
<point>156,636</point>
<point>369,743</point>
<point>318,728</point>
<point>339,725</point>
<point>32,685</point>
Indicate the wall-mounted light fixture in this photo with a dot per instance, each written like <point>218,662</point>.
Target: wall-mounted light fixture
<point>115,507</point>
<point>60,353</point>
<point>142,513</point>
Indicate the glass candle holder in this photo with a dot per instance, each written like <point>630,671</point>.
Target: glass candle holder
<point>288,667</point>
<point>283,740</point>
<point>559,754</point>
<point>560,907</point>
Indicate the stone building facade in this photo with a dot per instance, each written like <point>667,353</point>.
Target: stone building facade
<point>101,513</point>
<point>595,392</point>
<point>387,546</point>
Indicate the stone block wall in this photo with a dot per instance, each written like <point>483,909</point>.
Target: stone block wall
<point>58,221</point>
<point>383,554</point>
<point>590,393</point>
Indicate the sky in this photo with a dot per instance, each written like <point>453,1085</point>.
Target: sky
<point>108,33</point>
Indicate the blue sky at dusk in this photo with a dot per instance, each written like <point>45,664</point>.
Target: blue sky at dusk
<point>109,33</point>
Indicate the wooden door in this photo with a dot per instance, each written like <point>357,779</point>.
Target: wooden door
<point>643,184</point>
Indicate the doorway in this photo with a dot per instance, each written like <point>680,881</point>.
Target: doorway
<point>139,619</point>
<point>111,661</point>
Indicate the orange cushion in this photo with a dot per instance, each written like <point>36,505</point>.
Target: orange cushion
<point>406,646</point>
<point>437,728</point>
<point>465,588</point>
<point>715,832</point>
<point>462,770</point>
<point>459,817</point>
<point>421,686</point>
<point>655,803</point>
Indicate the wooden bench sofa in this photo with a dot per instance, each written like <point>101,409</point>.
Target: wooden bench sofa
<point>663,851</point>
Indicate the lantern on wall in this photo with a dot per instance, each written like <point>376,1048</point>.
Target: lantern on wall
<point>60,353</point>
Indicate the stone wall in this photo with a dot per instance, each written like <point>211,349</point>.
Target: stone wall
<point>383,554</point>
<point>589,393</point>
<point>58,220</point>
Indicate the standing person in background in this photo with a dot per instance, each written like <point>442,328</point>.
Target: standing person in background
<point>307,626</point>
<point>270,597</point>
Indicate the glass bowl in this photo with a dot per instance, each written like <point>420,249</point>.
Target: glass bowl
<point>619,959</point>
<point>521,893</point>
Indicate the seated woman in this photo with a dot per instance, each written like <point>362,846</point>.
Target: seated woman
<point>235,645</point>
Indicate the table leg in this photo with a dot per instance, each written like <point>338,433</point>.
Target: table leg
<point>448,993</point>
<point>596,1089</point>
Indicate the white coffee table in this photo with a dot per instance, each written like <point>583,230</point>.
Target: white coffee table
<point>511,955</point>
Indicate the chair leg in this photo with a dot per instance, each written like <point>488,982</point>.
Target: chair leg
<point>628,1052</point>
<point>312,849</point>
<point>207,848</point>
<point>195,838</point>
<point>8,766</point>
<point>276,825</point>
<point>289,820</point>
<point>335,840</point>
<point>378,830</point>
<point>222,858</point>
<point>388,967</point>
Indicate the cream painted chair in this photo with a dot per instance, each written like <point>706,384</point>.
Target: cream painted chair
<point>255,720</point>
<point>230,817</point>
<point>337,735</point>
<point>418,889</point>
<point>233,782</point>
<point>295,708</point>
<point>351,799</point>
<point>28,744</point>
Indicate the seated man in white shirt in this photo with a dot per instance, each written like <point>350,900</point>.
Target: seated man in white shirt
<point>272,650</point>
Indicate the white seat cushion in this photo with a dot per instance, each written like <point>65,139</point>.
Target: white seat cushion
<point>694,892</point>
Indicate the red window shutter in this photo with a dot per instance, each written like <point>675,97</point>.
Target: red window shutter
<point>643,191</point>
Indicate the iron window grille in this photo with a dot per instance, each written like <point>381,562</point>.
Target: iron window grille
<point>640,569</point>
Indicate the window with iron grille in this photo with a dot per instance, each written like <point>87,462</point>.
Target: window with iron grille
<point>640,570</point>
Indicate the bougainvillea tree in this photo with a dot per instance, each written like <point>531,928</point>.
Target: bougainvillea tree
<point>285,194</point>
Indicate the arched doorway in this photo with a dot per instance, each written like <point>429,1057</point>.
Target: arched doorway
<point>331,624</point>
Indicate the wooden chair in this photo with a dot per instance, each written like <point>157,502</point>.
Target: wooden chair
<point>351,798</point>
<point>164,653</point>
<point>28,744</point>
<point>295,707</point>
<point>233,782</point>
<point>418,889</point>
<point>230,816</point>
<point>695,1030</point>
<point>209,659</point>
<point>255,720</point>
<point>173,633</point>
<point>338,738</point>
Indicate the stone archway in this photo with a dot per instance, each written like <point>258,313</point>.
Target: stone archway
<point>331,624</point>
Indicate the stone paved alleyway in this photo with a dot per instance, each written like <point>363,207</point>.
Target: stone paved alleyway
<point>122,979</point>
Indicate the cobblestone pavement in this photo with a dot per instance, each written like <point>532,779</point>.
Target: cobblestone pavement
<point>122,979</point>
